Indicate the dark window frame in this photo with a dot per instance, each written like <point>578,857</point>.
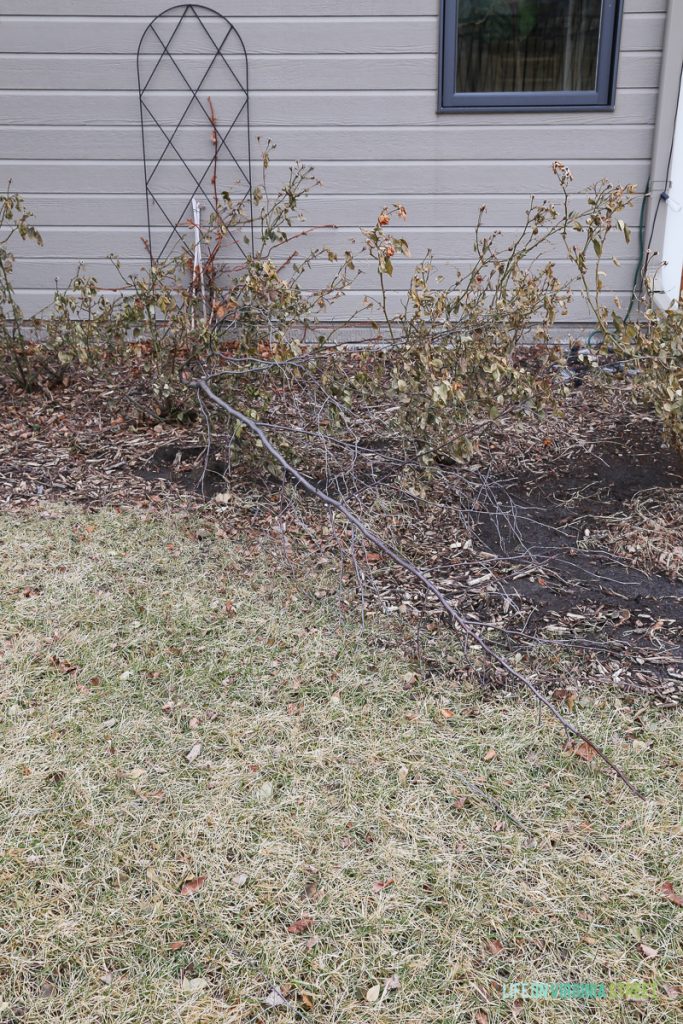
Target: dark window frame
<point>601,99</point>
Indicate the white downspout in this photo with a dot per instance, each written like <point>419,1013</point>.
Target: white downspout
<point>670,288</point>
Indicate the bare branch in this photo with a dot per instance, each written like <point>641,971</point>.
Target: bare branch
<point>464,624</point>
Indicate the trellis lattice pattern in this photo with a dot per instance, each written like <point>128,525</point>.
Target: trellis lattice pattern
<point>193,79</point>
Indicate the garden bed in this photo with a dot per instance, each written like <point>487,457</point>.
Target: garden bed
<point>530,538</point>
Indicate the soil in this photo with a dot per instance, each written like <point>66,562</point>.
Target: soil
<point>188,467</point>
<point>555,511</point>
<point>528,568</point>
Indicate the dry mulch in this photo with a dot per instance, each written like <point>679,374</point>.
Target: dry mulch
<point>73,444</point>
<point>534,540</point>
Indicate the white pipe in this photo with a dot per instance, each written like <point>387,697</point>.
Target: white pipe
<point>198,259</point>
<point>671,273</point>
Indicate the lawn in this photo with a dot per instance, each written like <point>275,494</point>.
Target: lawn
<point>223,802</point>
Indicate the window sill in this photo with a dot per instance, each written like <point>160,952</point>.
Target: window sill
<point>556,108</point>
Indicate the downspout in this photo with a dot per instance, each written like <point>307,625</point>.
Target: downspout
<point>665,217</point>
<point>670,277</point>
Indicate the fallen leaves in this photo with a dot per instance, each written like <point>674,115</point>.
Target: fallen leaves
<point>265,793</point>
<point>194,752</point>
<point>490,754</point>
<point>380,886</point>
<point>671,895</point>
<point>568,696</point>
<point>275,999</point>
<point>584,750</point>
<point>647,952</point>
<point>191,985</point>
<point>378,993</point>
<point>67,668</point>
<point>192,885</point>
<point>298,927</point>
<point>285,995</point>
<point>495,946</point>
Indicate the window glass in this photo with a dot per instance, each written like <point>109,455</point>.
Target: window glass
<point>527,45</point>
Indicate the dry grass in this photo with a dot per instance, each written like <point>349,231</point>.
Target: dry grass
<point>324,789</point>
<point>648,532</point>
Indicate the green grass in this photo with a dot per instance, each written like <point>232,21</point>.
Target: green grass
<point>320,778</point>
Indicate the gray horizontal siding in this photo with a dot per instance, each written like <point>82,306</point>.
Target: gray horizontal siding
<point>388,180</point>
<point>388,72</point>
<point>445,242</point>
<point>348,305</point>
<point>350,88</point>
<point>266,8</point>
<point>349,211</point>
<point>33,274</point>
<point>274,109</point>
<point>385,142</point>
<point>304,35</point>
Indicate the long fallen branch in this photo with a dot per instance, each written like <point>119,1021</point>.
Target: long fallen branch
<point>202,386</point>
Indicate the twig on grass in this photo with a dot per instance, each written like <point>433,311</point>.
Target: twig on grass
<point>494,803</point>
<point>202,386</point>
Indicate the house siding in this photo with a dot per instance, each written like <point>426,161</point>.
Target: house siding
<point>354,93</point>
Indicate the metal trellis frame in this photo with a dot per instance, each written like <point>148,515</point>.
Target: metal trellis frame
<point>202,55</point>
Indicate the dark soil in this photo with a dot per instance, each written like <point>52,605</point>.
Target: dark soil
<point>527,569</point>
<point>548,514</point>
<point>188,467</point>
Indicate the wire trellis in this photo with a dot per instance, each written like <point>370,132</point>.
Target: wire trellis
<point>193,82</point>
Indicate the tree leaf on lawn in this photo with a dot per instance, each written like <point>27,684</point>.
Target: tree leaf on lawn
<point>391,984</point>
<point>490,754</point>
<point>584,751</point>
<point>379,886</point>
<point>303,924</point>
<point>372,994</point>
<point>194,984</point>
<point>274,999</point>
<point>671,894</point>
<point>194,752</point>
<point>240,880</point>
<point>192,885</point>
<point>265,792</point>
<point>494,945</point>
<point>647,951</point>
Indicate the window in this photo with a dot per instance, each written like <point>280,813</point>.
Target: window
<point>498,55</point>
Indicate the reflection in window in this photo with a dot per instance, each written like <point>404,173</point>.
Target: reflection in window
<point>527,45</point>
